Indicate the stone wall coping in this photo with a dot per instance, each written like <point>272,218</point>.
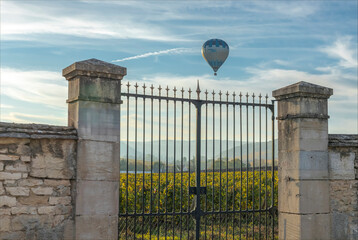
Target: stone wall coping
<point>36,131</point>
<point>343,140</point>
<point>302,89</point>
<point>94,68</point>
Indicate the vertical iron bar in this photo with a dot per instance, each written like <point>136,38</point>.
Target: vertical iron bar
<point>220,163</point>
<point>247,163</point>
<point>189,164</point>
<point>119,160</point>
<point>227,161</point>
<point>266,207</point>
<point>253,166</point>
<point>234,174</point>
<point>151,162</point>
<point>167,167</point>
<point>143,201</point>
<point>135,155</point>
<point>260,96</point>
<point>182,165</point>
<point>273,171</point>
<point>198,162</point>
<point>175,165</point>
<point>213,175</point>
<point>240,95</point>
<point>159,164</point>
<point>127,161</point>
<point>206,156</point>
<point>198,168</point>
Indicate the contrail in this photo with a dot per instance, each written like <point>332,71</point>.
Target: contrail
<point>163,52</point>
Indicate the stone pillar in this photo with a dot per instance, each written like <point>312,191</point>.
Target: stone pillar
<point>94,110</point>
<point>303,197</point>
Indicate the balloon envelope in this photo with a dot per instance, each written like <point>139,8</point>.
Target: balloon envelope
<point>215,52</point>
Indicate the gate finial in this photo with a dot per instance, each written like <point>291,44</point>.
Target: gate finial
<point>198,90</point>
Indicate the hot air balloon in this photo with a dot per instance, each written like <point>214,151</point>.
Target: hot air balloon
<point>215,52</point>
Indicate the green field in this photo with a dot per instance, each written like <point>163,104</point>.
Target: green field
<point>169,192</point>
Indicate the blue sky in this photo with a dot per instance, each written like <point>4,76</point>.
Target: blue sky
<point>272,44</point>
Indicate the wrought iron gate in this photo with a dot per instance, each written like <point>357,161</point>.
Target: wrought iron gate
<point>222,185</point>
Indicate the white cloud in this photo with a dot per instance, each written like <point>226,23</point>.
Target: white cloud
<point>42,87</point>
<point>284,8</point>
<point>24,21</point>
<point>345,50</point>
<point>163,52</point>
<point>33,118</point>
<point>2,106</point>
<point>282,62</point>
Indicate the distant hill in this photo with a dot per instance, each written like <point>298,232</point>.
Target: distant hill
<point>211,147</point>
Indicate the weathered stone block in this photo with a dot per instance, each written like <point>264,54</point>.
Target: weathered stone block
<point>97,160</point>
<point>303,197</point>
<point>5,211</point>
<point>94,68</point>
<point>340,225</point>
<point>42,190</point>
<point>18,167</point>
<point>13,235</point>
<point>55,183</point>
<point>7,201</point>
<point>8,157</point>
<point>307,226</point>
<point>10,183</point>
<point>344,195</point>
<point>53,158</point>
<point>60,191</point>
<point>23,210</point>
<point>58,219</point>
<point>303,135</point>
<point>97,197</point>
<point>48,210</point>
<point>33,200</point>
<point>96,121</point>
<point>63,210</point>
<point>3,149</point>
<point>97,227</point>
<point>303,106</point>
<point>9,176</point>
<point>60,200</point>
<point>26,158</point>
<point>95,89</point>
<point>24,149</point>
<point>4,223</point>
<point>1,166</point>
<point>30,182</point>
<point>301,89</point>
<point>29,222</point>
<point>341,166</point>
<point>304,165</point>
<point>18,191</point>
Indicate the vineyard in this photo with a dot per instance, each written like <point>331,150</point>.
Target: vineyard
<point>225,192</point>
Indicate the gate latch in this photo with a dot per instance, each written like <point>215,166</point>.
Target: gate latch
<point>192,190</point>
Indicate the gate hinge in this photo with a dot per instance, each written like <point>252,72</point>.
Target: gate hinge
<point>192,190</point>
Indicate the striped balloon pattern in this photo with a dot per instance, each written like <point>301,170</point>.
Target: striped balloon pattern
<point>215,52</point>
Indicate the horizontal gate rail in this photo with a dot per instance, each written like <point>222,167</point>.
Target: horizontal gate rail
<point>139,214</point>
<point>191,100</point>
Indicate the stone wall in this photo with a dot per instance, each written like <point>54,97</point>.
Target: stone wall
<point>343,174</point>
<point>37,172</point>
